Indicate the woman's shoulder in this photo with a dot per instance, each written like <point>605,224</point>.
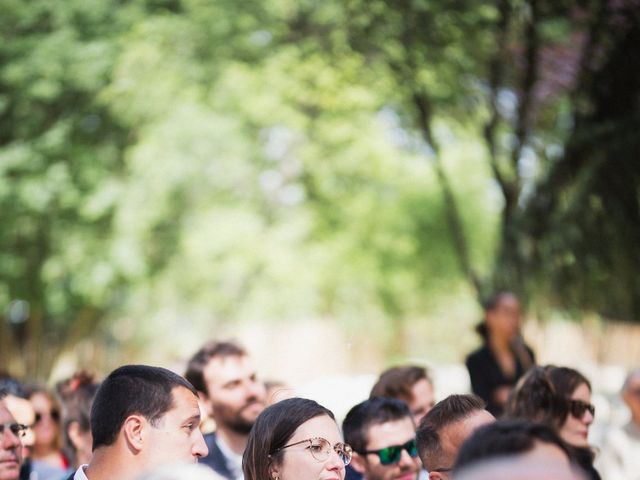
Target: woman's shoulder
<point>480,354</point>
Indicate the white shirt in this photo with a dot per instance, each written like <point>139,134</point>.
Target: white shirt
<point>80,475</point>
<point>234,461</point>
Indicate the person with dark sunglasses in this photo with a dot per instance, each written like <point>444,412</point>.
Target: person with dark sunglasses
<point>382,433</point>
<point>560,398</point>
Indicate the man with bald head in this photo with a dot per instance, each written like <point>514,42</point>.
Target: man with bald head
<point>445,428</point>
<point>620,453</point>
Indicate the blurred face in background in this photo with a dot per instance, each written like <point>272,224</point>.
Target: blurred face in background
<point>631,396</point>
<point>575,430</point>
<point>46,427</point>
<point>504,319</point>
<point>23,412</point>
<point>422,399</point>
<point>235,394</point>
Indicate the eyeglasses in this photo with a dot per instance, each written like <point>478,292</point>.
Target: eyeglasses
<point>17,429</point>
<point>53,414</point>
<point>392,454</point>
<point>577,408</point>
<point>320,449</point>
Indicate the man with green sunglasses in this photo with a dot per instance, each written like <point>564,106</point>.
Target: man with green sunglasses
<point>381,432</point>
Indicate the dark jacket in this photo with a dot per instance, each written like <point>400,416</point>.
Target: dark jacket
<point>486,376</point>
<point>216,459</point>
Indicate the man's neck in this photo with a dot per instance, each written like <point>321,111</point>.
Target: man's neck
<point>236,442</point>
<point>108,466</point>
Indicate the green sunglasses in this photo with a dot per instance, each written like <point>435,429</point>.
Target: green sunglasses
<point>392,454</point>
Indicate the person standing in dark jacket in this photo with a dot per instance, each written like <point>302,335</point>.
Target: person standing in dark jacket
<point>496,366</point>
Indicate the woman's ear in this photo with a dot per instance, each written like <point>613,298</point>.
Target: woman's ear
<point>133,431</point>
<point>274,470</point>
<point>74,432</point>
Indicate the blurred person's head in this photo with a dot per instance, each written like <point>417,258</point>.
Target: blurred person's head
<point>23,412</point>
<point>47,422</point>
<point>144,417</point>
<point>382,432</point>
<point>410,383</point>
<point>520,439</point>
<point>559,397</point>
<point>277,391</point>
<point>445,428</point>
<point>228,384</point>
<point>76,397</point>
<point>181,472</point>
<point>295,439</point>
<point>501,316</point>
<point>10,445</point>
<point>520,468</point>
<point>631,394</point>
<point>21,409</point>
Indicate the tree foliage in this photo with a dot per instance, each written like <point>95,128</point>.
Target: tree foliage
<point>276,160</point>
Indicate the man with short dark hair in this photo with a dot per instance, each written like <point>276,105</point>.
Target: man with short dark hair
<point>410,383</point>
<point>142,417</point>
<point>443,430</point>
<point>228,385</point>
<point>381,432</point>
<point>10,445</point>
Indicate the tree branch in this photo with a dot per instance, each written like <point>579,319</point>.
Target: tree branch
<point>423,108</point>
<point>496,76</point>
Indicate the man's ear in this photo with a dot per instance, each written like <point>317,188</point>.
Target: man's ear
<point>358,463</point>
<point>133,431</point>
<point>437,476</point>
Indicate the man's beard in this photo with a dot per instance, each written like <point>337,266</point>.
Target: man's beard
<point>235,421</point>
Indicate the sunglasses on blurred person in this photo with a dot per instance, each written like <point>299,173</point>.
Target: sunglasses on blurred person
<point>577,408</point>
<point>53,415</point>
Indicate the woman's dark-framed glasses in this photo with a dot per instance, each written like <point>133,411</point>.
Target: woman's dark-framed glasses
<point>577,408</point>
<point>321,449</point>
<point>392,454</point>
<point>17,429</point>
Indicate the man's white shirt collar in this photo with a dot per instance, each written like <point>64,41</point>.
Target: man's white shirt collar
<point>80,475</point>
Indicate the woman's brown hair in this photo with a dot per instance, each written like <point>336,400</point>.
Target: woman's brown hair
<point>272,430</point>
<point>543,395</point>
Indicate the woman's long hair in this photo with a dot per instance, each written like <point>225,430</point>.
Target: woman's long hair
<point>543,395</point>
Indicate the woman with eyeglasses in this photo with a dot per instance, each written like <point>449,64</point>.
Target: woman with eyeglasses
<point>295,439</point>
<point>559,397</point>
